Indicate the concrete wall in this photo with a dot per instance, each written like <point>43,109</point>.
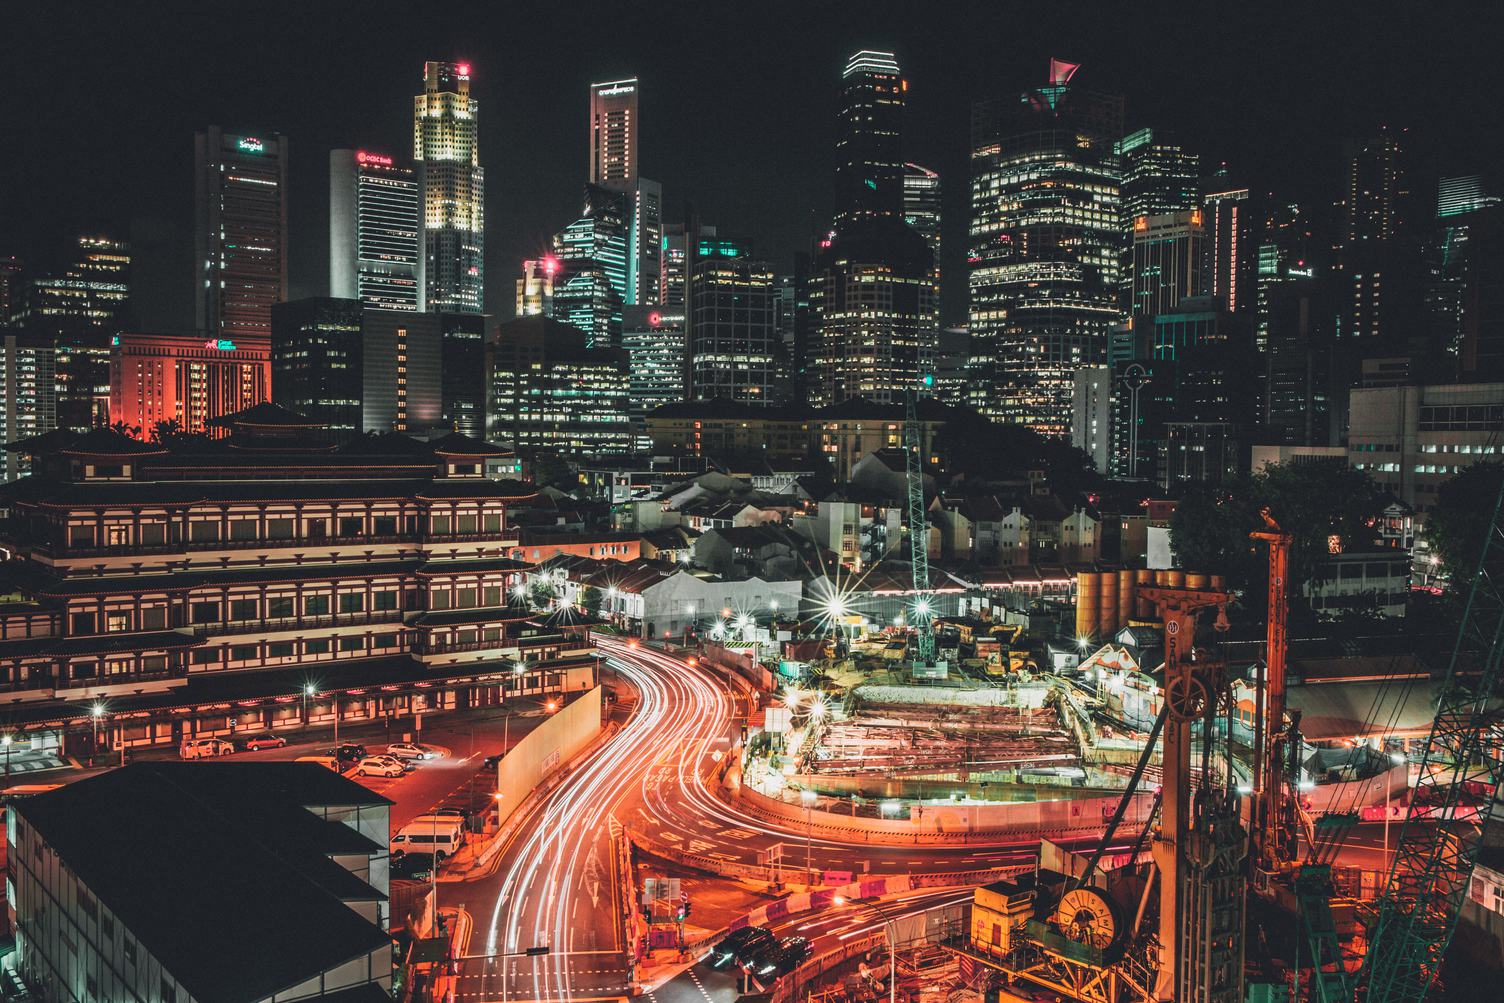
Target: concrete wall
<point>546,748</point>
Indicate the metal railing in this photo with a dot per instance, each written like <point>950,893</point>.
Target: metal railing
<point>219,627</point>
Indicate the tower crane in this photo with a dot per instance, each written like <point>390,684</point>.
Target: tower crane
<point>1438,844</point>
<point>922,613</point>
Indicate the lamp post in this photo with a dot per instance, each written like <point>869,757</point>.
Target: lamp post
<point>97,713</point>
<point>308,691</point>
<point>1396,759</point>
<point>5,741</point>
<point>891,934</point>
<point>808,797</point>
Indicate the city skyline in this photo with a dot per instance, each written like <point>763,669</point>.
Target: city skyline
<point>774,195</point>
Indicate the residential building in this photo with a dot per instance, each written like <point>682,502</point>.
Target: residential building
<point>163,592</point>
<point>447,149</point>
<point>551,390</point>
<point>1091,414</point>
<point>186,379</point>
<point>375,234</point>
<point>1046,247</point>
<point>300,850</point>
<point>240,234</point>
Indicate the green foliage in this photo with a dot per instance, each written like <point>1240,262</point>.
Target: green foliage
<point>1456,524</point>
<point>1313,502</point>
<point>589,599</point>
<point>542,593</point>
<point>552,470</point>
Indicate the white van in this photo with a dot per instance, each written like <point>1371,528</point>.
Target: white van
<point>204,748</point>
<point>440,835</point>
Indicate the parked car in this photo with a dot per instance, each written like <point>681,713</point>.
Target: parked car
<point>411,750</point>
<point>441,835</point>
<point>738,944</point>
<point>264,741</point>
<point>349,750</point>
<point>413,866</point>
<point>379,766</point>
<point>335,764</point>
<point>204,748</point>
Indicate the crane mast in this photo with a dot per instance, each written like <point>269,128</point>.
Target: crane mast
<point>922,614</point>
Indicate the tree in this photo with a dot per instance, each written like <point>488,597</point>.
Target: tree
<point>542,593</point>
<point>1323,506</point>
<point>1458,522</point>
<point>589,599</point>
<point>551,469</point>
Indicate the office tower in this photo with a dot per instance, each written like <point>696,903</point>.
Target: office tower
<point>1481,290</point>
<point>12,288</point>
<point>402,358</point>
<point>613,134</point>
<point>875,296</point>
<point>1168,261</point>
<point>1457,196</point>
<point>1046,247</point>
<point>873,291</point>
<point>953,352</point>
<point>535,289</point>
<point>1159,175</point>
<point>375,240</point>
<point>1301,381</point>
<point>653,338</point>
<point>28,379</point>
<point>1231,250</point>
<point>240,233</point>
<point>677,252</point>
<point>1458,253</point>
<point>1286,252</point>
<point>462,373</point>
<point>1091,414</point>
<point>614,129</point>
<point>590,287</point>
<point>551,390</point>
<point>317,359</point>
<point>1378,260</point>
<point>446,147</point>
<point>921,205</point>
<point>187,379</point>
<point>76,313</point>
<point>731,325</point>
<point>869,158</point>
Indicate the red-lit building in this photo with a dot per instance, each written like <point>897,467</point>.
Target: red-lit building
<point>190,379</point>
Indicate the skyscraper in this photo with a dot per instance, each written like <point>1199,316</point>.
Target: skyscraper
<point>317,359</point>
<point>731,325</point>
<point>535,288</point>
<point>614,128</point>
<point>590,286</point>
<point>921,205</point>
<point>1231,253</point>
<point>240,233</point>
<point>1159,175</point>
<point>446,147</point>
<point>375,240</point>
<point>653,337</point>
<point>613,134</point>
<point>1378,262</point>
<point>1046,247</point>
<point>869,158</point>
<point>1168,261</point>
<point>873,290</point>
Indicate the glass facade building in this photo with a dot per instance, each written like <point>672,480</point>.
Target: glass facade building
<point>240,233</point>
<point>375,241</point>
<point>1046,245</point>
<point>446,148</point>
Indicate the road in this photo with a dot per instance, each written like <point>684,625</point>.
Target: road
<point>552,884</point>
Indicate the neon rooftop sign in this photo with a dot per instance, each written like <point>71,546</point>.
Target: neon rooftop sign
<point>220,344</point>
<point>362,157</point>
<point>250,144</point>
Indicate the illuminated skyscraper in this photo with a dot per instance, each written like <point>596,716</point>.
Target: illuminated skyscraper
<point>375,242</point>
<point>1231,252</point>
<point>535,289</point>
<point>1159,176</point>
<point>1046,247</point>
<point>446,146</point>
<point>240,233</point>
<point>921,204</point>
<point>614,128</point>
<point>590,287</point>
<point>1168,261</point>
<point>731,325</point>
<point>653,337</point>
<point>869,158</point>
<point>1379,261</point>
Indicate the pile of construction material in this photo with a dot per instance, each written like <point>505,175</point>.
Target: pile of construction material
<point>921,740</point>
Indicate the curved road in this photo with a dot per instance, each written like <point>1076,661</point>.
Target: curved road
<point>554,885</point>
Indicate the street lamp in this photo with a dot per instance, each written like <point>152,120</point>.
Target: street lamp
<point>97,713</point>
<point>890,934</point>
<point>808,797</point>
<point>308,691</point>
<point>1395,758</point>
<point>5,741</point>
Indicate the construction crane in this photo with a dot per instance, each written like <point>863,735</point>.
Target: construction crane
<point>922,613</point>
<point>1438,844</point>
<point>1272,815</point>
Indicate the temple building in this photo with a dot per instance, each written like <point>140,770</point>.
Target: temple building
<point>267,578</point>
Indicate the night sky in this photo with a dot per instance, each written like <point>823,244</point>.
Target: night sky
<point>738,105</point>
